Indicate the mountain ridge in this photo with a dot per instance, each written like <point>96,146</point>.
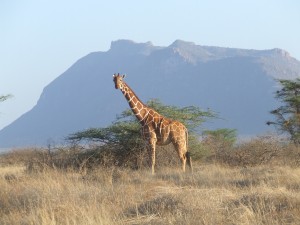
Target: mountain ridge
<point>237,83</point>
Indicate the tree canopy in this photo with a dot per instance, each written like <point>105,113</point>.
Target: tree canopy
<point>4,97</point>
<point>287,115</point>
<point>124,132</point>
<point>222,135</point>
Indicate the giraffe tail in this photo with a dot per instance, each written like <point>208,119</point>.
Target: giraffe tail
<point>188,154</point>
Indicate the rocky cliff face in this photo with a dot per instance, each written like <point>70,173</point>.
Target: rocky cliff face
<point>236,83</point>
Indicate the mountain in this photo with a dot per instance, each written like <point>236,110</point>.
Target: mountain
<point>237,83</point>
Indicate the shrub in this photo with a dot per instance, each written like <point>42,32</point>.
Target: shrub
<point>268,149</point>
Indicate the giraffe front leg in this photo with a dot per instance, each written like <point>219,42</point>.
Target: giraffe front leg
<point>151,150</point>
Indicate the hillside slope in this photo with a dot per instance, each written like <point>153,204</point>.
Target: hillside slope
<point>237,83</point>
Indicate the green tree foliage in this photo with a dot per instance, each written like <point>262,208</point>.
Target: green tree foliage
<point>124,135</point>
<point>4,97</point>
<point>126,127</point>
<point>287,116</point>
<point>225,135</point>
<point>215,142</point>
<point>191,116</point>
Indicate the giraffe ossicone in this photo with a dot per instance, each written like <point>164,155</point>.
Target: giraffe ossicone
<point>156,129</point>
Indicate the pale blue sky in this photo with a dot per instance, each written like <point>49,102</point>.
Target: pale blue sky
<point>40,39</point>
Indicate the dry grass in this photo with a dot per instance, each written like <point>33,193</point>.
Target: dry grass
<point>253,183</point>
<point>214,194</point>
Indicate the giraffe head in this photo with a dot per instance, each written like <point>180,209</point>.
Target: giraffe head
<point>118,80</point>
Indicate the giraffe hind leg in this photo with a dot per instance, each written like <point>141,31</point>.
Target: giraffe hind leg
<point>183,162</point>
<point>189,160</point>
<point>182,155</point>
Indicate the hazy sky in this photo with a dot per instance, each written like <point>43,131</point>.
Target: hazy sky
<point>40,39</point>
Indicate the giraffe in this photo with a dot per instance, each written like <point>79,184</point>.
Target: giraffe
<point>156,129</point>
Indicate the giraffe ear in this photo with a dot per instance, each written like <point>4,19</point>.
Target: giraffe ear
<point>124,76</point>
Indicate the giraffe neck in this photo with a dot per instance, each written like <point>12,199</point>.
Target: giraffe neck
<point>139,109</point>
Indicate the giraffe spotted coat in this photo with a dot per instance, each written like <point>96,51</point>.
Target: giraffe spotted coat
<point>156,129</point>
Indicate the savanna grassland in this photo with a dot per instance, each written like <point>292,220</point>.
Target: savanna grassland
<point>217,192</point>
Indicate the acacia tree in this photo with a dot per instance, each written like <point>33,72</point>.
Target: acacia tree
<point>224,135</point>
<point>287,116</point>
<point>123,136</point>
<point>126,126</point>
<point>4,97</point>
